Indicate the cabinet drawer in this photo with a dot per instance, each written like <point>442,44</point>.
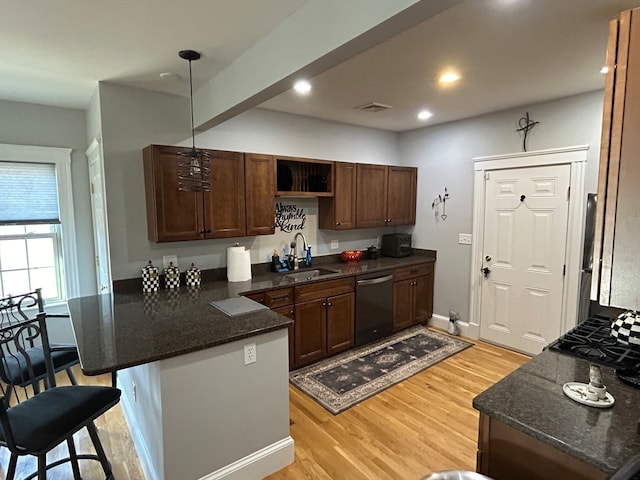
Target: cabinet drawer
<point>279,297</point>
<point>315,291</point>
<point>419,270</point>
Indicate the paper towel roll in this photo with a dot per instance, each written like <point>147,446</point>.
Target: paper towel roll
<point>238,264</point>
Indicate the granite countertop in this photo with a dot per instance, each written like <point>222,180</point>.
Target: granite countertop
<point>531,400</point>
<point>121,330</point>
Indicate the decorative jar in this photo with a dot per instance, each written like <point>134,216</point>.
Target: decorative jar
<point>171,276</point>
<point>192,276</point>
<point>150,278</point>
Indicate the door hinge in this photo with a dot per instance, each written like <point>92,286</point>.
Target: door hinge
<point>486,175</point>
<point>568,192</point>
<point>92,189</point>
<point>564,269</point>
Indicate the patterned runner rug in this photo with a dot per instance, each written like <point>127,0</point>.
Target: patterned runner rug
<point>340,382</point>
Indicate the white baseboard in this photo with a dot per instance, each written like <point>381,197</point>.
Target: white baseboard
<point>467,329</point>
<point>258,464</point>
<point>139,443</point>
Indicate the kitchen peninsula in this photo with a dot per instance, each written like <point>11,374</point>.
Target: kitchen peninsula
<point>529,429</point>
<point>193,407</point>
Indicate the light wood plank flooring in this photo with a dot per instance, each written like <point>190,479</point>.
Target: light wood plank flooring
<point>423,424</point>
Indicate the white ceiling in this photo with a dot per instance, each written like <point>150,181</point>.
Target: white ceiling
<point>509,52</point>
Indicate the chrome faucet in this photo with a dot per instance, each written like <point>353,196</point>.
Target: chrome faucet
<point>296,260</point>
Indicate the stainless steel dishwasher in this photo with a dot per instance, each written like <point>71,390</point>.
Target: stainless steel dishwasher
<point>374,306</point>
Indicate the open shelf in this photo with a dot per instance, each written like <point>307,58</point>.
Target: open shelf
<point>302,177</point>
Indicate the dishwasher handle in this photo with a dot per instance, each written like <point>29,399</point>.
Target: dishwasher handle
<point>375,281</point>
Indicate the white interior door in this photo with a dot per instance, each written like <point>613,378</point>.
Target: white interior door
<point>525,232</point>
<point>99,217</point>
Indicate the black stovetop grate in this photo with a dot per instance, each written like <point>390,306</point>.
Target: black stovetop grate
<point>592,341</point>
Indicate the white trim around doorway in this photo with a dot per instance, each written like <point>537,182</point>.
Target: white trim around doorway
<point>576,157</point>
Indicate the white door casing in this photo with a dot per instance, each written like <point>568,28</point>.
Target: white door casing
<point>575,158</point>
<point>524,248</point>
<point>99,217</point>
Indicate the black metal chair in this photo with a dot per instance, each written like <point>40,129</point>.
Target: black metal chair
<point>50,417</point>
<point>19,308</point>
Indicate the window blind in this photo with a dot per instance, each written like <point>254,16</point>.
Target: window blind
<point>28,193</point>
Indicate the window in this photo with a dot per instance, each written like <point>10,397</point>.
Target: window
<point>30,258</point>
<point>37,231</point>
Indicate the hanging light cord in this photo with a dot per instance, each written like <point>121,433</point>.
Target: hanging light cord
<point>193,135</point>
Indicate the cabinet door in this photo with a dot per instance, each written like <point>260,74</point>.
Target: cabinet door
<point>224,206</point>
<point>310,332</point>
<point>260,191</point>
<point>401,195</point>
<point>402,304</point>
<point>289,312</point>
<point>172,215</point>
<point>371,195</point>
<point>340,323</point>
<point>338,212</point>
<point>616,275</point>
<point>422,299</point>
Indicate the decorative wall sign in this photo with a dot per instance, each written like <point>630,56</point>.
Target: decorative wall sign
<point>290,218</point>
<point>525,124</point>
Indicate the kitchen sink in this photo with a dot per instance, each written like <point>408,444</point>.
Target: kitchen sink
<point>304,275</point>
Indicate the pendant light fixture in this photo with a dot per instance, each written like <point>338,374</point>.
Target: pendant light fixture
<point>194,165</point>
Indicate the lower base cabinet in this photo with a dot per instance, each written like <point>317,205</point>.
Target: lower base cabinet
<point>323,327</point>
<point>505,453</point>
<point>412,295</point>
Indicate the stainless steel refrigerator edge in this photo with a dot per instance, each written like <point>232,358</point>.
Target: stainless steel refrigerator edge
<point>584,304</point>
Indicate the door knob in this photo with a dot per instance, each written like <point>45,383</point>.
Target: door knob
<point>485,271</point>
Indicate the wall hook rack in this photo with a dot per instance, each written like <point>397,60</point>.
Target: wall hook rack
<point>441,199</point>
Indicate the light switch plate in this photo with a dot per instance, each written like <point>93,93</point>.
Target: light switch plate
<point>169,258</point>
<point>464,238</point>
<point>335,244</point>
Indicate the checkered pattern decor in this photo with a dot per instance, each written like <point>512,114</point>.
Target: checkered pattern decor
<point>626,328</point>
<point>192,276</point>
<point>171,276</point>
<point>151,300</point>
<point>150,278</point>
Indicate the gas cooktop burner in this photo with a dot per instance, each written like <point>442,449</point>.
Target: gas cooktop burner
<point>592,341</point>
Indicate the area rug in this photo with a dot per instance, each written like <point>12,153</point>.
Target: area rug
<point>340,382</point>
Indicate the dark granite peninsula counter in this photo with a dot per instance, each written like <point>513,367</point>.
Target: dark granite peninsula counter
<point>529,429</point>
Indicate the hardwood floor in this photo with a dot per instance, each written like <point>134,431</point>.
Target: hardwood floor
<point>423,424</point>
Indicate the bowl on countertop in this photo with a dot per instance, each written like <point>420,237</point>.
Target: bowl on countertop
<point>351,256</point>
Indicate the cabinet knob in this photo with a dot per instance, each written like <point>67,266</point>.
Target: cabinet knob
<point>324,304</point>
<point>208,230</point>
<point>202,230</point>
<point>330,304</point>
<point>337,223</point>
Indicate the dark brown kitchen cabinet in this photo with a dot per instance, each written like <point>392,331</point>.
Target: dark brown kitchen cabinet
<point>385,195</point>
<point>412,295</point>
<point>173,215</point>
<point>506,453</point>
<point>338,212</point>
<point>616,275</point>
<point>260,185</point>
<point>324,320</point>
<point>289,312</point>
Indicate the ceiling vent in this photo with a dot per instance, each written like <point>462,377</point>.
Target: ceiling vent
<point>373,107</point>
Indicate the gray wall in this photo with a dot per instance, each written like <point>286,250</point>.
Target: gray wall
<point>31,124</point>
<point>443,155</point>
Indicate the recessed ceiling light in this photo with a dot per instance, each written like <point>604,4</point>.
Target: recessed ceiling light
<point>424,114</point>
<point>604,70</point>
<point>449,77</point>
<point>302,86</point>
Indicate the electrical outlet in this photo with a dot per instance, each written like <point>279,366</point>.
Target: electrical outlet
<point>464,238</point>
<point>134,392</point>
<point>166,259</point>
<point>250,353</point>
<point>335,244</point>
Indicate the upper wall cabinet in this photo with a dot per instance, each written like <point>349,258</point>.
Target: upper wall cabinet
<point>616,274</point>
<point>385,195</point>
<point>338,212</point>
<point>173,215</point>
<point>260,183</point>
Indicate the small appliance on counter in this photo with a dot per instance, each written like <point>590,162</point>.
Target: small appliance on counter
<point>396,245</point>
